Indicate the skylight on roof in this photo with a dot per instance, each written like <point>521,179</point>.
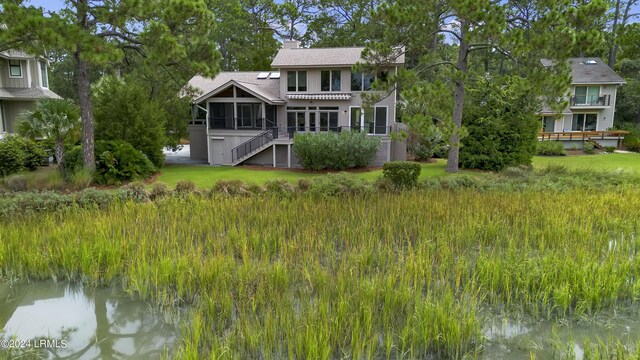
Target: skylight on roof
<point>263,75</point>
<point>275,75</point>
<point>590,62</point>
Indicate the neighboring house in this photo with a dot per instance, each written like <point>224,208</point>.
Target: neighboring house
<point>251,117</point>
<point>23,80</point>
<point>592,103</point>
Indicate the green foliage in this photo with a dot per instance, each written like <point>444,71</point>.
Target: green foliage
<point>632,140</point>
<point>116,161</point>
<point>54,119</point>
<point>589,148</point>
<point>185,187</point>
<point>80,178</point>
<point>137,190</point>
<point>279,188</point>
<point>501,123</point>
<point>338,184</point>
<point>124,111</point>
<point>610,149</point>
<point>341,151</point>
<point>403,174</point>
<point>33,155</point>
<point>158,191</point>
<point>12,157</point>
<point>551,148</point>
<point>230,187</point>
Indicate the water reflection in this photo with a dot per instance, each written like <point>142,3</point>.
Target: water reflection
<point>82,323</point>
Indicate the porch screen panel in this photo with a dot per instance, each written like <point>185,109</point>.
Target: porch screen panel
<point>218,115</point>
<point>333,121</point>
<point>300,121</point>
<point>356,113</point>
<point>381,120</point>
<point>257,115</point>
<point>369,123</point>
<point>291,121</point>
<point>578,122</point>
<point>272,116</point>
<point>590,122</point>
<point>581,95</point>
<point>312,121</point>
<point>324,121</point>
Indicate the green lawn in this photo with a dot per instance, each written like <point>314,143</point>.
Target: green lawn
<point>598,162</point>
<point>205,176</point>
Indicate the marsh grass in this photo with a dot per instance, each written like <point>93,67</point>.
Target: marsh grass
<point>399,276</point>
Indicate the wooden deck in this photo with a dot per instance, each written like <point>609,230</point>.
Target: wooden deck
<point>617,135</point>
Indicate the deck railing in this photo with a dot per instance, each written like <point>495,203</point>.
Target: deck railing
<point>583,135</point>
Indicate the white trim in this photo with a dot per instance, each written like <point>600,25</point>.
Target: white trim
<point>21,72</point>
<point>3,127</point>
<point>274,156</point>
<point>29,83</point>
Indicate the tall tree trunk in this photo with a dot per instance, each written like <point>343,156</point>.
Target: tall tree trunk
<point>612,42</point>
<point>60,154</point>
<point>458,98</point>
<point>83,83</point>
<point>86,111</point>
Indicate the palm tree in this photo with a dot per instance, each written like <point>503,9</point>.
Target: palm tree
<point>55,119</point>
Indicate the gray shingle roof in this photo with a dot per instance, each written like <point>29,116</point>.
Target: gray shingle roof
<point>33,93</point>
<point>319,57</point>
<point>595,73</point>
<point>598,73</point>
<point>268,89</point>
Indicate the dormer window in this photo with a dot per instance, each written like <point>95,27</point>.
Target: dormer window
<point>330,80</point>
<point>15,69</point>
<point>296,81</point>
<point>44,80</point>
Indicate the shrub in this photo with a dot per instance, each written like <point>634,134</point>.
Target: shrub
<point>403,174</point>
<point>551,148</point>
<point>137,191</point>
<point>501,124</point>
<point>17,182</point>
<point>516,172</point>
<point>332,151</point>
<point>35,155</point>
<point>425,145</point>
<point>12,158</point>
<point>610,149</point>
<point>80,179</point>
<point>279,188</point>
<point>116,161</point>
<point>384,184</point>
<point>94,198</point>
<point>230,187</point>
<point>26,203</point>
<point>304,184</point>
<point>339,184</point>
<point>185,187</point>
<point>589,147</point>
<point>158,191</point>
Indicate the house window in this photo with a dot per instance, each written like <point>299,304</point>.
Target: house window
<point>330,80</point>
<point>587,95</point>
<point>44,81</point>
<point>584,122</point>
<point>548,123</point>
<point>373,122</point>
<point>361,81</point>
<point>296,81</point>
<point>15,69</point>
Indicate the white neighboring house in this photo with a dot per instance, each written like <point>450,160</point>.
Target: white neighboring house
<point>592,103</point>
<point>251,117</point>
<point>24,79</point>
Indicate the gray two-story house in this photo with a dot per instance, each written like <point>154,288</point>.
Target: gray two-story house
<point>24,79</point>
<point>590,114</point>
<point>252,117</point>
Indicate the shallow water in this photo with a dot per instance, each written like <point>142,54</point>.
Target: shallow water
<point>507,338</point>
<point>60,320</point>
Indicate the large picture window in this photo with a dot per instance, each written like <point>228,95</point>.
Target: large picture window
<point>15,69</point>
<point>296,81</point>
<point>330,80</point>
<point>587,95</point>
<point>361,81</point>
<point>584,122</point>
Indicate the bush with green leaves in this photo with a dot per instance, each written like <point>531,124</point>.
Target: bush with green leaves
<point>339,184</point>
<point>589,147</point>
<point>551,148</point>
<point>502,128</point>
<point>610,149</point>
<point>124,111</point>
<point>344,150</point>
<point>632,140</point>
<point>116,162</point>
<point>12,158</point>
<point>403,174</point>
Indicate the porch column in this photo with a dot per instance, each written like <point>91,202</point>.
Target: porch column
<point>274,155</point>
<point>235,110</point>
<point>288,155</point>
<point>264,115</point>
